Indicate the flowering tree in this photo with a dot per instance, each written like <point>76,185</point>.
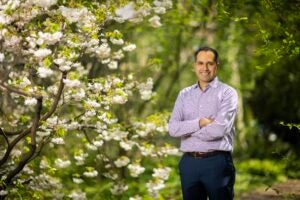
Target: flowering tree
<point>59,124</point>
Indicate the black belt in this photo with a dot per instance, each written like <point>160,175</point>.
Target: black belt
<point>205,154</point>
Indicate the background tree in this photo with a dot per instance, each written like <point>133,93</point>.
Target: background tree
<point>101,128</point>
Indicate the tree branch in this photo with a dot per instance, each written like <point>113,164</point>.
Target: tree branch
<point>27,157</point>
<point>16,90</point>
<point>22,134</point>
<point>5,136</point>
<point>52,110</point>
<point>11,146</point>
<point>57,98</point>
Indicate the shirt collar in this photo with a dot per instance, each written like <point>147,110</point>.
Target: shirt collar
<point>214,83</point>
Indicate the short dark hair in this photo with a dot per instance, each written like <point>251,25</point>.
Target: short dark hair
<point>205,48</point>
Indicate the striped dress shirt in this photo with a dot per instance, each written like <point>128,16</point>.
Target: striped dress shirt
<point>219,102</point>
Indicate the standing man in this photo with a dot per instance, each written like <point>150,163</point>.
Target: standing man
<point>203,117</point>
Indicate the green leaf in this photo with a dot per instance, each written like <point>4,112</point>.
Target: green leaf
<point>60,132</point>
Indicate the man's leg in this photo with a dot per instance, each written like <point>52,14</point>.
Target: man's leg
<point>218,177</point>
<point>192,188</point>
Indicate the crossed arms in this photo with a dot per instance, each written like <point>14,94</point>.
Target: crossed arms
<point>205,128</point>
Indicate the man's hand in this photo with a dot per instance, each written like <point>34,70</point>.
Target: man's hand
<point>205,121</point>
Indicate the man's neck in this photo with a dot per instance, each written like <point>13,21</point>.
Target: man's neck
<point>202,85</point>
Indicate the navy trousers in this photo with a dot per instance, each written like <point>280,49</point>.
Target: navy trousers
<point>211,177</point>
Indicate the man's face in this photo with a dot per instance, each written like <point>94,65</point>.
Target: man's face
<point>205,67</point>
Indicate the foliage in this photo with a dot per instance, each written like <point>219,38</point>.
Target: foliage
<point>292,166</point>
<point>61,123</point>
<point>76,100</point>
<point>262,167</point>
<point>255,173</point>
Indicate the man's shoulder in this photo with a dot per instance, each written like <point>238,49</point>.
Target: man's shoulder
<point>225,88</point>
<point>188,90</point>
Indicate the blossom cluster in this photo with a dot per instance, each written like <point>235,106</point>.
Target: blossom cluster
<point>47,51</point>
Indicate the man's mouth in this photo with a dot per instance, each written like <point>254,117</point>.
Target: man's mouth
<point>204,73</point>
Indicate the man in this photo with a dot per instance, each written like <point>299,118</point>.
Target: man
<point>203,117</point>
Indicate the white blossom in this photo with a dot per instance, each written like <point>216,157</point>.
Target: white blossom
<point>5,19</point>
<point>42,53</point>
<point>129,47</point>
<point>44,164</point>
<point>77,65</point>
<point>91,174</point>
<point>118,189</point>
<point>146,150</point>
<point>145,89</point>
<point>79,95</point>
<point>43,133</point>
<point>27,170</point>
<point>98,143</point>
<point>44,72</point>
<point>111,175</point>
<point>113,65</point>
<point>44,3</point>
<point>80,158</point>
<point>72,83</point>
<point>59,163</point>
<point>126,12</point>
<point>72,126</point>
<point>136,197</point>
<point>91,147</point>
<point>118,55</point>
<point>16,153</point>
<point>90,113</point>
<point>103,51</point>
<point>30,101</point>
<point>154,186</point>
<point>52,89</point>
<point>49,38</point>
<point>2,57</point>
<point>122,161</point>
<point>164,3</point>
<point>64,67</point>
<point>77,180</point>
<point>59,61</point>
<point>73,14</point>
<point>117,41</point>
<point>146,94</point>
<point>52,121</point>
<point>159,10</point>
<point>155,21</point>
<point>135,169</point>
<point>12,43</point>
<point>58,140</point>
<point>3,192</point>
<point>25,82</point>
<point>92,103</point>
<point>95,86</point>
<point>127,145</point>
<point>106,61</point>
<point>77,196</point>
<point>119,99</point>
<point>170,150</point>
<point>162,173</point>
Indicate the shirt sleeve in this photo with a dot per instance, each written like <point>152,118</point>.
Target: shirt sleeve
<point>177,125</point>
<point>224,121</point>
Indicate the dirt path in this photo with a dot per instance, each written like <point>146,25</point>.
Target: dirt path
<point>289,190</point>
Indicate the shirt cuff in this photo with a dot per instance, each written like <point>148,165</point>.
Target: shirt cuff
<point>195,123</point>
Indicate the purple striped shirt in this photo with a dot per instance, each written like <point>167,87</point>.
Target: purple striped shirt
<point>217,101</point>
